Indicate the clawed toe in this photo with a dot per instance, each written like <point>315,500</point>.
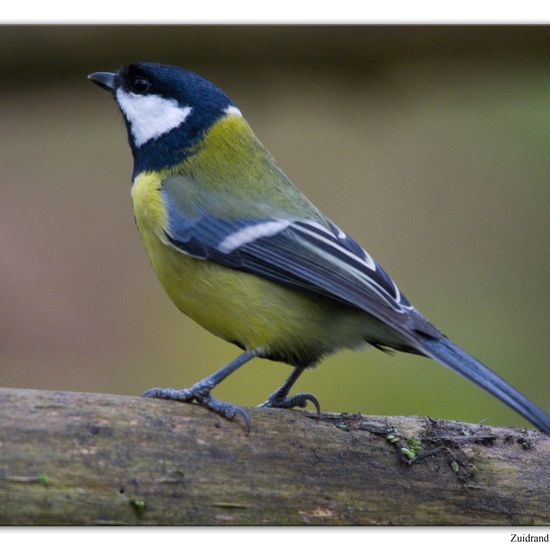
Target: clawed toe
<point>289,402</point>
<point>171,394</point>
<point>201,395</point>
<point>200,392</point>
<point>225,410</point>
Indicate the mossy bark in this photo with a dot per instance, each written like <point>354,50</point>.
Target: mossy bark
<point>75,458</point>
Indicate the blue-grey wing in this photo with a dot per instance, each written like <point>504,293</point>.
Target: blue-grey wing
<point>301,253</point>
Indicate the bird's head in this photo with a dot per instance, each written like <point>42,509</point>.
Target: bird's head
<point>167,110</point>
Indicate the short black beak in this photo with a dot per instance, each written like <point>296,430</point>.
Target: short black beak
<point>107,81</point>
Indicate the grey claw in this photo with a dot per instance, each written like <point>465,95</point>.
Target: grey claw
<point>314,401</point>
<point>226,410</point>
<point>299,400</point>
<point>246,418</point>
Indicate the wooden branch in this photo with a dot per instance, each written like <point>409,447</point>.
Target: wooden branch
<point>75,458</point>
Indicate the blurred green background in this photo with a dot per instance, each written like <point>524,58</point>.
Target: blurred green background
<point>430,145</point>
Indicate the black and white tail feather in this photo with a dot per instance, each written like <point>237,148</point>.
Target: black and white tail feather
<point>319,258</point>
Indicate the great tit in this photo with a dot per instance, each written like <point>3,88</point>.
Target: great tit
<point>239,249</point>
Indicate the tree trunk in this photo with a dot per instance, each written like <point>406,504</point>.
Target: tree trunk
<point>75,458</point>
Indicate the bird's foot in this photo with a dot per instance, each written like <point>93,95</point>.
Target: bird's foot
<point>200,393</point>
<point>290,401</point>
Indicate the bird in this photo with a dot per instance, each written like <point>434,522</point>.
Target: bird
<point>240,249</point>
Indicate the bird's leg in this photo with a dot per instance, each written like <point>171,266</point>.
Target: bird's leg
<point>281,400</point>
<point>200,392</point>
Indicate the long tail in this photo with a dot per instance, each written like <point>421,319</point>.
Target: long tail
<point>450,355</point>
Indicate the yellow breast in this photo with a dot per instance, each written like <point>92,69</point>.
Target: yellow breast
<point>237,306</point>
<point>208,293</point>
<point>149,208</point>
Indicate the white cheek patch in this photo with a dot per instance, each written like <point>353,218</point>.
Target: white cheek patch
<point>150,116</point>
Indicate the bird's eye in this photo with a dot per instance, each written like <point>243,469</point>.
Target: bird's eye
<point>141,85</point>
